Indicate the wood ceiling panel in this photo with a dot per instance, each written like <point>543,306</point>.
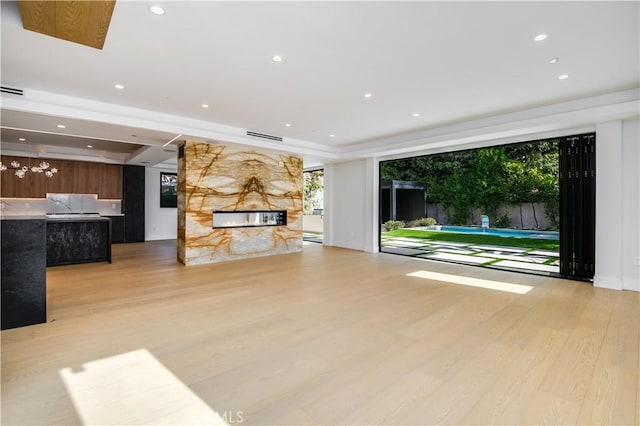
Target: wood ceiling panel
<point>83,22</point>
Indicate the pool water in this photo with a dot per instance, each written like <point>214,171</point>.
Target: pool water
<point>516,233</point>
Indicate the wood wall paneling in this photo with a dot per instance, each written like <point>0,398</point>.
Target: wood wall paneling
<point>83,22</point>
<point>110,182</point>
<point>73,177</point>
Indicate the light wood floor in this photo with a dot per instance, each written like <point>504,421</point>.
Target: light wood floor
<point>329,336</point>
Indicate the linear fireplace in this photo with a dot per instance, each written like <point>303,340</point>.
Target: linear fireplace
<point>248,218</point>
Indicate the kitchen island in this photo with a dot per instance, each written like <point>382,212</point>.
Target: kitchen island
<point>78,239</point>
<point>30,244</point>
<point>24,289</point>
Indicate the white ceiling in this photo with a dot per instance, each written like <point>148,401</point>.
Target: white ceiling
<point>451,62</point>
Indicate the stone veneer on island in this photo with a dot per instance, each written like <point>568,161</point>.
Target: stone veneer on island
<point>221,178</point>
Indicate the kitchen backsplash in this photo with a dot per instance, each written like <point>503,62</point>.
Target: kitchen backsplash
<point>59,203</point>
<point>72,203</point>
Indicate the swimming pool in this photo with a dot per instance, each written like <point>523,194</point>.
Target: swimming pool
<point>516,233</point>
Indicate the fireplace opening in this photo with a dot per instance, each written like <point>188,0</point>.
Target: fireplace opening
<point>248,218</point>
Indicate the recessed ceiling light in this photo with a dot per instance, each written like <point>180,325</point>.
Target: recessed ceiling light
<point>554,60</point>
<point>205,105</point>
<point>332,136</point>
<point>540,37</point>
<point>89,146</point>
<point>415,114</point>
<point>21,139</point>
<point>61,126</point>
<point>156,10</point>
<point>119,86</point>
<point>563,77</point>
<point>277,58</point>
<point>368,95</point>
<point>287,125</point>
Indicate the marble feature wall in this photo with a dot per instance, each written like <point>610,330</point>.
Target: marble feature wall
<point>216,177</point>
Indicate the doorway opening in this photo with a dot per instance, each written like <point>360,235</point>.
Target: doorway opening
<point>313,206</point>
<point>527,207</point>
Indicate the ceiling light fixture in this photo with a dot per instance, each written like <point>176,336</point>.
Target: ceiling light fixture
<point>21,171</point>
<point>540,37</point>
<point>276,58</point>
<point>563,77</point>
<point>287,125</point>
<point>332,136</point>
<point>156,10</point>
<point>554,60</point>
<point>119,86</point>
<point>415,114</point>
<point>61,126</point>
<point>205,105</point>
<point>368,95</point>
<point>21,139</point>
<point>89,146</point>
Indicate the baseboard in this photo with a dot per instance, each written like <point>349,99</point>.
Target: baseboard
<point>612,283</point>
<point>160,237</point>
<point>348,245</point>
<point>632,284</point>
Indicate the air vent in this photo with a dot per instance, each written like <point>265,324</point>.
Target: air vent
<point>263,136</point>
<point>11,90</point>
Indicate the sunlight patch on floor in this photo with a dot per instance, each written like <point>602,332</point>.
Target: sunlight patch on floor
<point>134,388</point>
<point>472,282</point>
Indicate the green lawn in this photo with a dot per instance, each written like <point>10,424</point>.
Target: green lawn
<point>493,240</point>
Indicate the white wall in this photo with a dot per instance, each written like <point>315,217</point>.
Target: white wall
<point>351,205</point>
<point>631,205</point>
<point>608,205</point>
<point>345,196</point>
<point>160,223</point>
<point>617,205</point>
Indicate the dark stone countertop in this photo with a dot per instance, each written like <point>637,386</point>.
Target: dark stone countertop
<point>78,219</point>
<point>19,217</point>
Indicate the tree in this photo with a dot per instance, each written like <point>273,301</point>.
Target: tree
<point>313,184</point>
<point>486,178</point>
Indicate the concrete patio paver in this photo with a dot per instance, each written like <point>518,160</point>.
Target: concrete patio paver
<point>523,265</point>
<point>405,251</point>
<point>495,256</point>
<point>457,258</point>
<point>547,253</point>
<point>524,258</point>
<point>500,248</point>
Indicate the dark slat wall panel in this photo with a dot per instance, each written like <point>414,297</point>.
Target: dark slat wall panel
<point>133,203</point>
<point>73,177</point>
